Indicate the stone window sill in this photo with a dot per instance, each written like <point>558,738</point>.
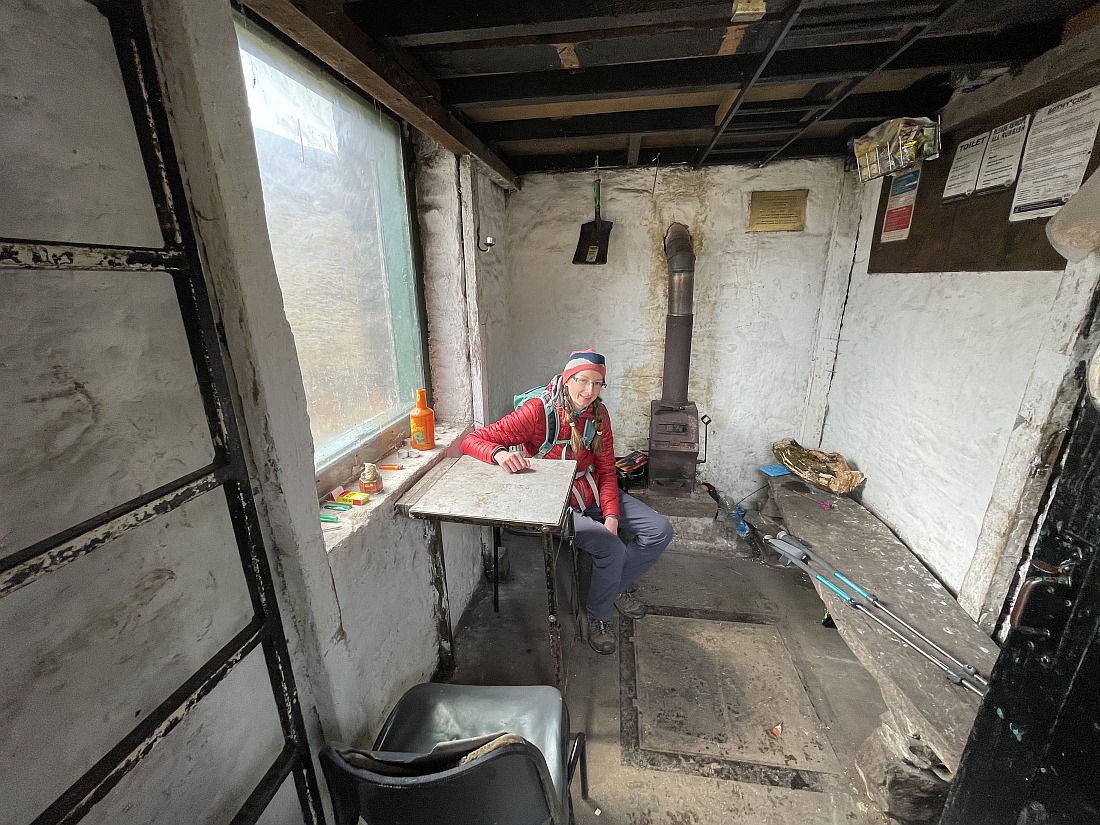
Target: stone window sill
<point>396,483</point>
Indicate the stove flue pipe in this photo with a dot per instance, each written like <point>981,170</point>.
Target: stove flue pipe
<point>678,322</point>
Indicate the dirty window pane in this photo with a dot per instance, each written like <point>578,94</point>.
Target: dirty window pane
<point>337,212</point>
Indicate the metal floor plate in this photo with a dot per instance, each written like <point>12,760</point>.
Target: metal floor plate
<point>706,696</point>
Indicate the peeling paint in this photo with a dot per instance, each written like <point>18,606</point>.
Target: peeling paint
<point>57,256</point>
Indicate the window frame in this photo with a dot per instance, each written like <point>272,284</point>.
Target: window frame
<point>344,467</point>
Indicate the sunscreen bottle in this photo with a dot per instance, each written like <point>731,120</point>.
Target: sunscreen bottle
<point>422,423</point>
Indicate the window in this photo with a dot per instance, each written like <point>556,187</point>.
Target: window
<point>337,207</point>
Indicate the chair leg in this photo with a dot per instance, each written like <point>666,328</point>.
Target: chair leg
<point>578,753</point>
<point>496,569</point>
<point>579,614</point>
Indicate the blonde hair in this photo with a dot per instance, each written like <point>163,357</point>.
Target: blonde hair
<point>577,438</point>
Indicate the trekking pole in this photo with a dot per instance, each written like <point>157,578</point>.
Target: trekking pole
<point>874,600</point>
<point>796,557</point>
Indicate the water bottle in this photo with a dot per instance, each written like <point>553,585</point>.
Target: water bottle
<point>740,526</point>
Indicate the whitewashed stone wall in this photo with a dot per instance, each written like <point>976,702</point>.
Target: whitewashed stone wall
<point>937,376</point>
<point>758,299</point>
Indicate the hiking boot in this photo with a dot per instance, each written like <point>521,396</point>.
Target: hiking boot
<point>601,637</point>
<point>629,606</point>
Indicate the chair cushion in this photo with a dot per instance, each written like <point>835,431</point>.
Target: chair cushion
<point>431,713</point>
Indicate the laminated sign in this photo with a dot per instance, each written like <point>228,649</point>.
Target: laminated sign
<point>1058,149</point>
<point>899,208</point>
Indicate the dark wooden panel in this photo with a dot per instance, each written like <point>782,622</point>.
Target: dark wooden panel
<point>973,234</point>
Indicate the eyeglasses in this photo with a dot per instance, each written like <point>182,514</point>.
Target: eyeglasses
<point>584,383</point>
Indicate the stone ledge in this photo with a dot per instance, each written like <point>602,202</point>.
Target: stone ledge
<point>396,483</point>
<point>925,708</point>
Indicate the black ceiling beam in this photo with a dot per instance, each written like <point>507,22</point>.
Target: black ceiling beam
<point>864,12</point>
<point>1014,45</point>
<point>880,106</point>
<point>631,46</point>
<point>440,21</point>
<point>654,120</point>
<point>608,48</point>
<point>671,156</point>
<point>804,147</point>
<point>660,77</point>
<point>922,99</point>
<point>727,72</point>
<point>588,34</point>
<point>931,53</point>
<point>919,101</point>
<point>664,77</point>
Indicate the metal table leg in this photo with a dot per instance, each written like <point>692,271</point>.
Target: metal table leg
<point>442,599</point>
<point>496,568</point>
<point>552,610</point>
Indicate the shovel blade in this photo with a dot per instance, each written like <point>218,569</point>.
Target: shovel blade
<point>593,243</point>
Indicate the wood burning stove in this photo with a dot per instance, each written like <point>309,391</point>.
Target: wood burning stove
<point>674,420</point>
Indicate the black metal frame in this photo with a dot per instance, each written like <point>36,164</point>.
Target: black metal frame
<point>228,471</point>
<point>919,28</point>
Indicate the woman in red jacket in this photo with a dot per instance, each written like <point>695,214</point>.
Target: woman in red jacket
<point>600,509</point>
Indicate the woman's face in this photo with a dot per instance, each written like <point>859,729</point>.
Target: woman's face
<point>584,388</point>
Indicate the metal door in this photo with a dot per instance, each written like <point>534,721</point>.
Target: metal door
<point>146,673</point>
<point>1032,752</point>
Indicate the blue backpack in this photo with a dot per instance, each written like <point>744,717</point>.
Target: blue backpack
<point>553,423</point>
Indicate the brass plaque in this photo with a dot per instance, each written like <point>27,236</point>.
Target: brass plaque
<point>778,211</point>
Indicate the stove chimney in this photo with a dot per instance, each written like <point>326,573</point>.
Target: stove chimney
<point>674,420</point>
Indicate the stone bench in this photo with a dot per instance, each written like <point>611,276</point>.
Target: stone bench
<point>909,761</point>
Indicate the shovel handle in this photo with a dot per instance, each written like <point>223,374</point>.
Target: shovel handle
<point>596,196</point>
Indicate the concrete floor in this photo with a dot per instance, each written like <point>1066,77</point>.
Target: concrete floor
<point>729,703</point>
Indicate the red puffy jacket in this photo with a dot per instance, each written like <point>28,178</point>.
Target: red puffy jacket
<point>526,427</point>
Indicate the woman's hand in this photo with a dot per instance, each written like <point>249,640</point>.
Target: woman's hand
<point>512,462</point>
<point>612,524</point>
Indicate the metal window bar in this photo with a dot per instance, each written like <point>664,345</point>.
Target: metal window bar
<point>25,566</point>
<point>21,254</point>
<point>74,803</point>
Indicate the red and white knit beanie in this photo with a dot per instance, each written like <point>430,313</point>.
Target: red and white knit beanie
<point>584,359</point>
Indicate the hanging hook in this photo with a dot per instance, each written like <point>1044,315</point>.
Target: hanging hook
<point>657,166</point>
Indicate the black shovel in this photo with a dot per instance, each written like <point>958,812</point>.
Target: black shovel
<point>595,235</point>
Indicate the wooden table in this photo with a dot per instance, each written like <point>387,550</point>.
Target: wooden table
<point>469,491</point>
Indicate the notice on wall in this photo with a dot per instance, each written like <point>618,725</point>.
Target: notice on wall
<point>783,211</point>
<point>899,207</point>
<point>1002,155</point>
<point>1057,151</point>
<point>963,176</point>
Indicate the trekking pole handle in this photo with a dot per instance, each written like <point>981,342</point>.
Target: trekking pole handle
<point>781,547</point>
<point>828,568</point>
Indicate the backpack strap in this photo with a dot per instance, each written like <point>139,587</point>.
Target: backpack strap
<point>588,476</point>
<point>553,423</point>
